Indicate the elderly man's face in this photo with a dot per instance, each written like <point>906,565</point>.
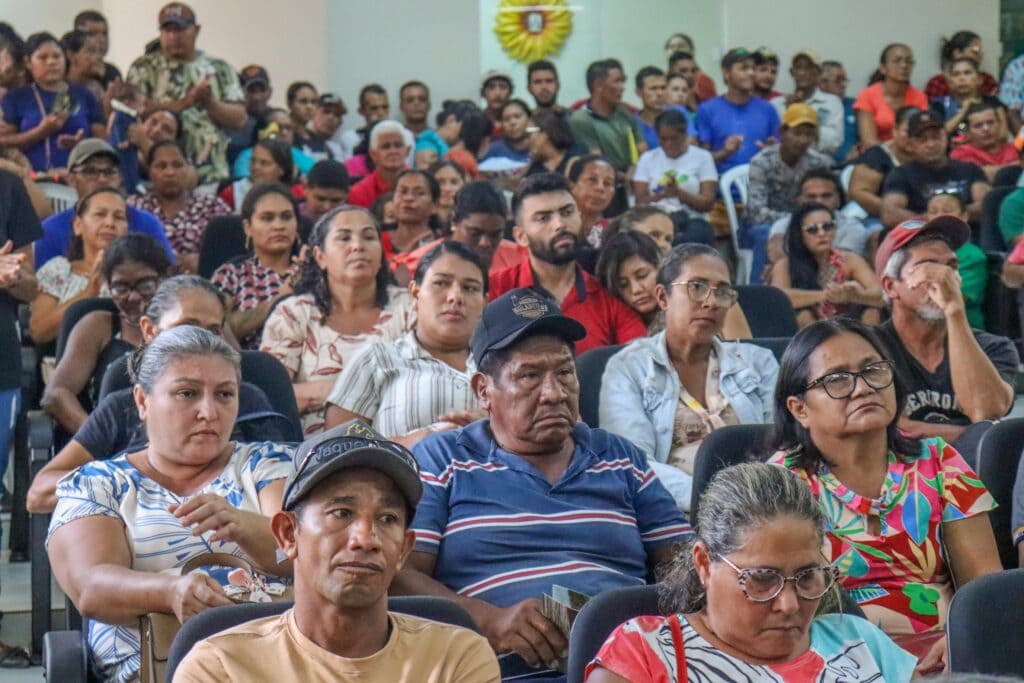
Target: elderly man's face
<point>533,401</point>
<point>349,538</point>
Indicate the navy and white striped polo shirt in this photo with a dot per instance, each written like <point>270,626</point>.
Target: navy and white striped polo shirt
<point>503,534</point>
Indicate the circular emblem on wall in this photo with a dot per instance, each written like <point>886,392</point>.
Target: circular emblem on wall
<point>529,30</point>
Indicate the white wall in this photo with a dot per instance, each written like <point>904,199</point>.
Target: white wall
<point>855,31</point>
<point>54,16</point>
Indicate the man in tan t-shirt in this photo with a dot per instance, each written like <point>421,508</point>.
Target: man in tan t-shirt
<point>345,526</point>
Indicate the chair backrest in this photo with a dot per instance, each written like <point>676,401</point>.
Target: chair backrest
<point>213,621</point>
<point>76,312</point>
<point>735,179</point>
<point>61,197</point>
<point>724,447</point>
<point>600,616</point>
<point>1000,305</point>
<point>222,241</point>
<point>768,310</point>
<point>589,370</point>
<point>777,345</point>
<point>999,454</point>
<point>268,374</point>
<point>844,178</point>
<point>989,237</point>
<point>983,638</point>
<point>1007,176</point>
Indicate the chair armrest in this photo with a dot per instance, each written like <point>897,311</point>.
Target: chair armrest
<point>40,439</point>
<point>65,657</point>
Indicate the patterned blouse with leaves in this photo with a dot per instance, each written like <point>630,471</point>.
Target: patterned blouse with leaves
<point>901,576</point>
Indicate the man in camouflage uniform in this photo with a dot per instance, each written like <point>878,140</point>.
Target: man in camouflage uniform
<point>202,90</point>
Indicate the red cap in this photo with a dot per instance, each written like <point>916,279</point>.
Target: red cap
<point>947,225</point>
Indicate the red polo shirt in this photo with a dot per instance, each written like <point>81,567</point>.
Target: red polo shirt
<point>1007,154</point>
<point>608,320</point>
<point>368,190</point>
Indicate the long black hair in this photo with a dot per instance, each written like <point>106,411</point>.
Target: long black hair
<point>282,156</point>
<point>454,248</point>
<point>312,279</point>
<point>619,249</point>
<point>788,434</point>
<point>803,268</point>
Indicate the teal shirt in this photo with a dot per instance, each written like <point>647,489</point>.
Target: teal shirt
<point>974,277</point>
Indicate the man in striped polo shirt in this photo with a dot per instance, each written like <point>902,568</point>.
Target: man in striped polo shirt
<point>530,497</point>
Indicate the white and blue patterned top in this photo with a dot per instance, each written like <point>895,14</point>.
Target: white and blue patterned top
<point>157,539</point>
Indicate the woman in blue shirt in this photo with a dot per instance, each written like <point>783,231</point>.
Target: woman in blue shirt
<point>47,117</point>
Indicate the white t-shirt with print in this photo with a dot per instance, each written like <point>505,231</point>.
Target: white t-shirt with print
<point>691,168</point>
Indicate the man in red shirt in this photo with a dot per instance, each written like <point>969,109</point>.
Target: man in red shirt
<point>548,225</point>
<point>985,144</point>
<point>389,150</point>
<point>478,221</point>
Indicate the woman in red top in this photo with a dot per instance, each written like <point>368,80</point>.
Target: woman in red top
<point>890,89</point>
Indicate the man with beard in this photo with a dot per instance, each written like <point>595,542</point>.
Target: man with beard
<point>548,225</point>
<point>954,376</point>
<point>542,82</point>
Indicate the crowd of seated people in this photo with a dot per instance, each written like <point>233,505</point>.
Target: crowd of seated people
<point>424,294</point>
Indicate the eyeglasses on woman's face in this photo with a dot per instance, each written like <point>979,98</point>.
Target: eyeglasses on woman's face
<point>700,290</point>
<point>838,385</point>
<point>824,228</point>
<point>761,584</point>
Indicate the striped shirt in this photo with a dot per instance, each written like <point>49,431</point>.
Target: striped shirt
<point>399,387</point>
<point>501,533</point>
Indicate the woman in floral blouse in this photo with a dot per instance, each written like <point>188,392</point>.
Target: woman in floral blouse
<point>904,518</point>
<point>184,213</point>
<point>343,299</point>
<point>254,283</point>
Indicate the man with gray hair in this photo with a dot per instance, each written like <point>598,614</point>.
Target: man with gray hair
<point>389,150</point>
<point>955,377</point>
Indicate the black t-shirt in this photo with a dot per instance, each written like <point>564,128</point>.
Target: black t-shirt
<point>20,225</point>
<point>878,159</point>
<point>917,182</point>
<point>930,396</point>
<point>114,426</point>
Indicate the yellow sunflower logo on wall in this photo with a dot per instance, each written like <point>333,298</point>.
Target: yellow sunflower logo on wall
<point>529,30</point>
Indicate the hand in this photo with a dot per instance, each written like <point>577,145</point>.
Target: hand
<point>202,93</point>
<point>137,135</point>
<point>523,629</point>
<point>1012,275</point>
<point>766,274</point>
<point>194,593</point>
<point>66,141</point>
<point>836,293</point>
<point>732,143</point>
<point>210,512</point>
<point>96,278</point>
<point>935,660</point>
<point>942,284</point>
<point>52,123</point>
<point>767,142</point>
<point>10,264</point>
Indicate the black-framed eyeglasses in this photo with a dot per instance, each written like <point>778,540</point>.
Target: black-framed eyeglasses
<point>699,291</point>
<point>815,228</point>
<point>877,375</point>
<point>145,287</point>
<point>761,584</point>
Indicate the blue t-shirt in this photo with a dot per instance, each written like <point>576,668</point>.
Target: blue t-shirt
<point>500,149</point>
<point>850,134</point>
<point>57,231</point>
<point>650,133</point>
<point>21,109</point>
<point>501,533</point>
<point>719,118</point>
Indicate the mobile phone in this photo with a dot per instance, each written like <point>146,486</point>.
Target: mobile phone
<point>62,103</point>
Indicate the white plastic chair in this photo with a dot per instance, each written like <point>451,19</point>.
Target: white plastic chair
<point>62,197</point>
<point>737,177</point>
<point>844,178</point>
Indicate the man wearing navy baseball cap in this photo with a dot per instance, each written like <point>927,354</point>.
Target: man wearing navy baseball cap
<point>344,524</point>
<point>957,379</point>
<point>530,496</point>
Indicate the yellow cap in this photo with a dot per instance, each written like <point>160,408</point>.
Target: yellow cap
<point>798,114</point>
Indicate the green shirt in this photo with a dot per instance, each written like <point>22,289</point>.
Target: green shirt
<point>974,277</point>
<point>163,79</point>
<point>611,136</point>
<point>1011,216</point>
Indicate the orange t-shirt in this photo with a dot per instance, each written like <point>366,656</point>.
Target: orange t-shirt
<point>871,99</point>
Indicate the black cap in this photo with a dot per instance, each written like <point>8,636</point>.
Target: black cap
<point>329,100</point>
<point>176,14</point>
<point>735,56</point>
<point>349,445</point>
<point>517,313</point>
<point>921,121</point>
<point>254,73</point>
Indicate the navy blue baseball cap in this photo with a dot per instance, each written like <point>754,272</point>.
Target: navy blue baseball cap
<point>518,313</point>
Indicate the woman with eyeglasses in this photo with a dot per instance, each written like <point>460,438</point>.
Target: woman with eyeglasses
<point>100,217</point>
<point>905,519</point>
<point>890,89</point>
<point>820,280</point>
<point>750,599</point>
<point>667,392</point>
<point>133,267</point>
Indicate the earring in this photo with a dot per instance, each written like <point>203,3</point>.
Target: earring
<point>248,242</point>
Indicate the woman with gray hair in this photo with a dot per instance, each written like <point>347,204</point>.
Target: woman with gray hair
<point>735,616</point>
<point>124,527</point>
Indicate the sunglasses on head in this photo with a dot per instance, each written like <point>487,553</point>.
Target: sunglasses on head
<point>814,228</point>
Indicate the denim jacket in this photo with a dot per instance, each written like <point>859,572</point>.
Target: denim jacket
<point>640,393</point>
